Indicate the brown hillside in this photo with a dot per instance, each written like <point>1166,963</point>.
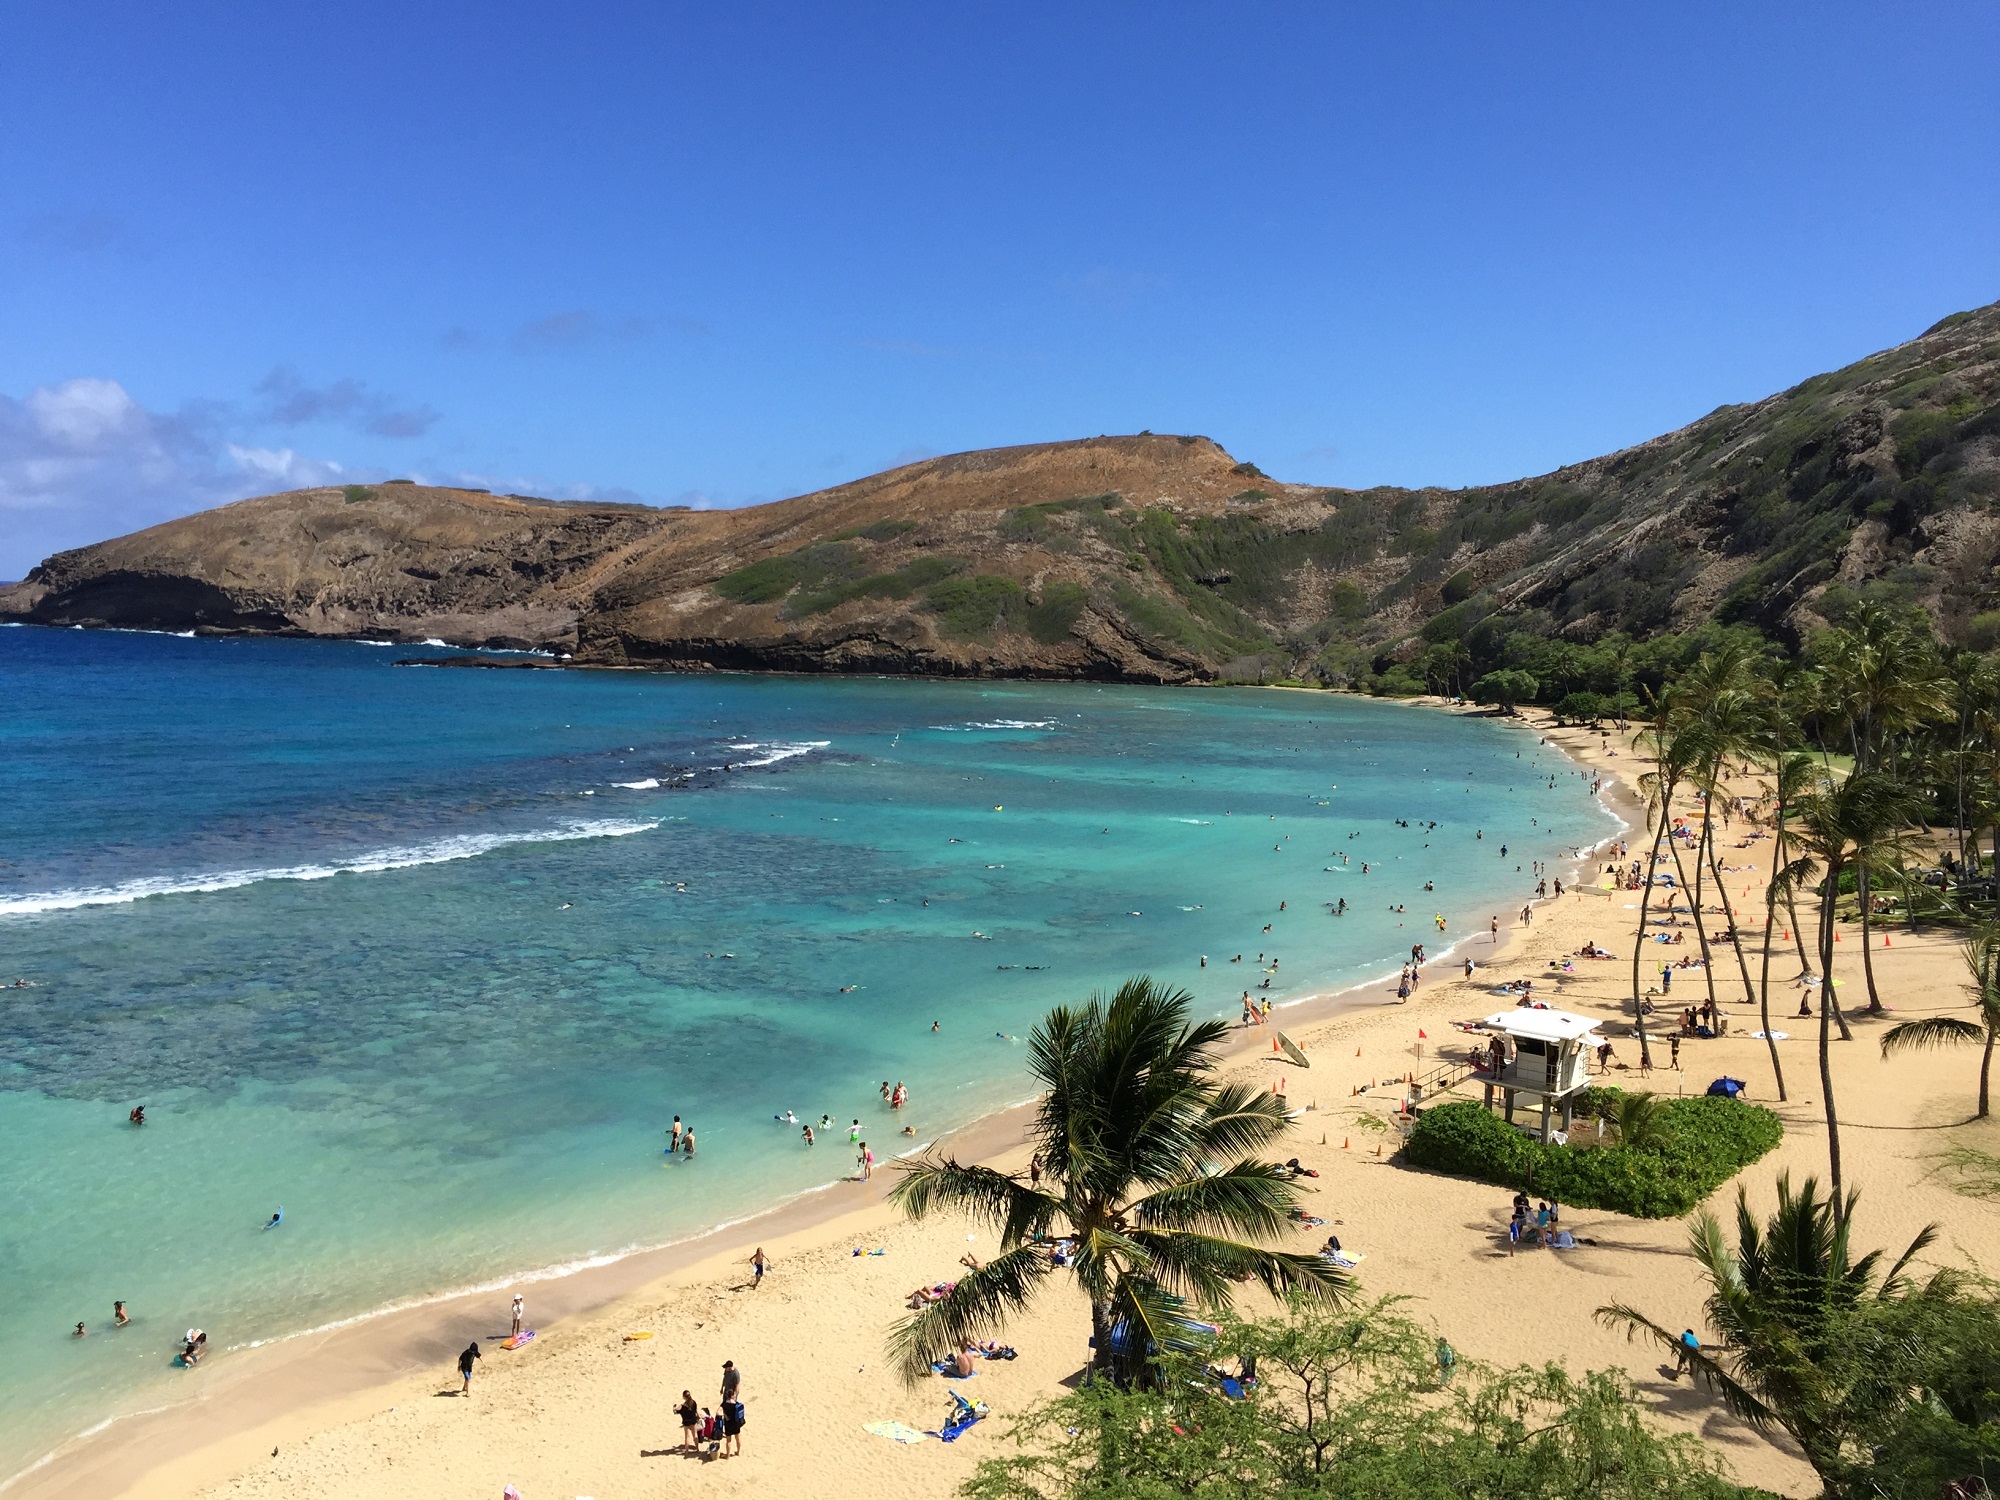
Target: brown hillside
<point>1151,558</point>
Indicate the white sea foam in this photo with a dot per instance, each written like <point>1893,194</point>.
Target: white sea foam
<point>639,786</point>
<point>373,861</point>
<point>996,724</point>
<point>776,751</point>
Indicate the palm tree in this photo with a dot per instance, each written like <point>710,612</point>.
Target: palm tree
<point>1636,1118</point>
<point>1791,777</point>
<point>1144,1154</point>
<point>1883,674</point>
<point>1982,957</point>
<point>1840,823</point>
<point>1799,1349</point>
<point>1658,787</point>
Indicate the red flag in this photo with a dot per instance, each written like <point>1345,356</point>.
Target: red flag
<point>1422,1035</point>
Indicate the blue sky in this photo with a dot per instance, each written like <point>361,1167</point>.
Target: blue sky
<point>721,254</point>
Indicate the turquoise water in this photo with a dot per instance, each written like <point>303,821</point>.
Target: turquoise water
<point>430,958</point>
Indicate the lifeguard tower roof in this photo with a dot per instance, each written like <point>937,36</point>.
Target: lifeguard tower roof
<point>1541,1025</point>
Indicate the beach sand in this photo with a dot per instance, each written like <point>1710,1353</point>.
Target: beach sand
<point>371,1410</point>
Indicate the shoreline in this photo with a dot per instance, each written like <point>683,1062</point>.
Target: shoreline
<point>284,1376</point>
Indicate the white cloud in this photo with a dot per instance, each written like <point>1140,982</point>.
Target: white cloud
<point>82,460</point>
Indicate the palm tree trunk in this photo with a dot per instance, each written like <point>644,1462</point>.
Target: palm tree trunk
<point>1729,916</point>
<point>1100,1337</point>
<point>1985,1073</point>
<point>1827,1007</point>
<point>1639,943</point>
<point>1764,998</point>
<point>1875,1007</point>
<point>1694,896</point>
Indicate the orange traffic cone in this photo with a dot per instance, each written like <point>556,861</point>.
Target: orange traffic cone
<point>1346,1142</point>
<point>1836,934</point>
<point>1274,1044</point>
<point>1885,940</point>
<point>1378,1149</point>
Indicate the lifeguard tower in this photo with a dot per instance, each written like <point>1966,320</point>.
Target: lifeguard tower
<point>1545,1055</point>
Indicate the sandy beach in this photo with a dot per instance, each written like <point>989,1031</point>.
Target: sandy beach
<point>585,1410</point>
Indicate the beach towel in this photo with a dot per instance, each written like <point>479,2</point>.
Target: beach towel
<point>964,1414</point>
<point>1233,1389</point>
<point>896,1432</point>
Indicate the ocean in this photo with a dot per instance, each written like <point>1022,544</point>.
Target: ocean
<point>429,958</point>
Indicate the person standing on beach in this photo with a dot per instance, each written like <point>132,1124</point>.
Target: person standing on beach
<point>1494,928</point>
<point>864,1162</point>
<point>515,1332</point>
<point>1035,1170</point>
<point>758,1264</point>
<point>689,1411</point>
<point>465,1362</point>
<point>733,1417</point>
<point>732,1380</point>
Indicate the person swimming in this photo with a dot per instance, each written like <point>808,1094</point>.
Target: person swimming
<point>138,1115</point>
<point>276,1219</point>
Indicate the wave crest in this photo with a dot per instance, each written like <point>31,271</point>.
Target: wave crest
<point>373,861</point>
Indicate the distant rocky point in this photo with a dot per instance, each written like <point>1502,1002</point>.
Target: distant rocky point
<point>1147,558</point>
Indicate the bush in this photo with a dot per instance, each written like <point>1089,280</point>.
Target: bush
<point>1698,1145</point>
<point>356,493</point>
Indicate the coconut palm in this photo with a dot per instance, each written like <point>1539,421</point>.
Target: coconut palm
<point>1807,1340</point>
<point>1671,754</point>
<point>1636,1119</point>
<point>1982,957</point>
<point>1842,823</point>
<point>1144,1155</point>
<point>1883,675</point>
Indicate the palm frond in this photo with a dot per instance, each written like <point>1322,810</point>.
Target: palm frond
<point>1248,1198</point>
<point>1237,1119</point>
<point>1208,1267</point>
<point>1893,1284</point>
<point>1739,1398</point>
<point>1932,1031</point>
<point>976,1307</point>
<point>932,1184</point>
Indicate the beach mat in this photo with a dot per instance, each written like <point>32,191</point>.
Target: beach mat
<point>896,1432</point>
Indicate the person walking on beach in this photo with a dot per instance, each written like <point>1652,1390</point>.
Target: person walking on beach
<point>864,1162</point>
<point>465,1363</point>
<point>515,1331</point>
<point>758,1263</point>
<point>689,1411</point>
<point>1035,1170</point>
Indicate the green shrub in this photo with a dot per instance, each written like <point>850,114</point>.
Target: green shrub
<point>356,493</point>
<point>760,583</point>
<point>1695,1146</point>
<point>974,606</point>
<point>1459,587</point>
<point>1049,618</point>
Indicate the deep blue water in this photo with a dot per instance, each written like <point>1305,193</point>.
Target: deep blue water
<point>430,957</point>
